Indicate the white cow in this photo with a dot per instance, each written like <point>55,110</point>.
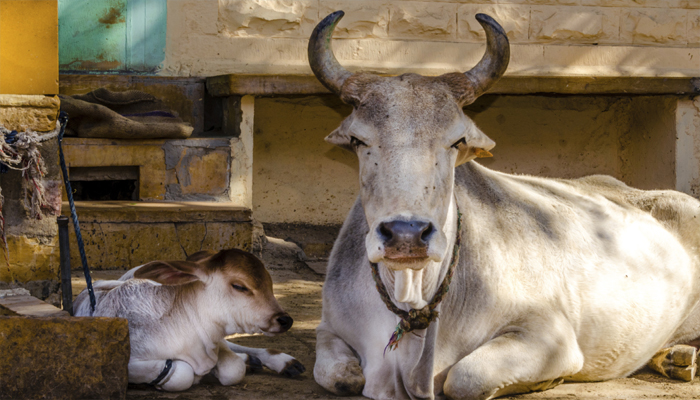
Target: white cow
<point>179,313</point>
<point>577,280</point>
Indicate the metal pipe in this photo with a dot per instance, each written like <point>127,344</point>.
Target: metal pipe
<point>64,247</point>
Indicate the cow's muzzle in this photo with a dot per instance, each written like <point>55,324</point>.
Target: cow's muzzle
<point>405,241</point>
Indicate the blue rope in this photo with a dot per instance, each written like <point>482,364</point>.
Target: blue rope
<point>63,119</point>
<point>9,139</point>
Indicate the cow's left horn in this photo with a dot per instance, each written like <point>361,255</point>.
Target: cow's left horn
<point>495,60</point>
<point>324,64</point>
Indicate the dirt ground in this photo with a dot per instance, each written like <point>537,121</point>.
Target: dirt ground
<point>298,288</point>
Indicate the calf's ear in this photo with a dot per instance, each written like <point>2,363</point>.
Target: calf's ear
<point>169,272</point>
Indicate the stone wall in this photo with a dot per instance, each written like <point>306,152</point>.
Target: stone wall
<point>549,37</point>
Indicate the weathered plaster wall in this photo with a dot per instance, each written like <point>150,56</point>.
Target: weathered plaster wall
<point>298,178</point>
<point>549,37</point>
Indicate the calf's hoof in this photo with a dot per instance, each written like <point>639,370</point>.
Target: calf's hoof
<point>253,364</point>
<point>677,362</point>
<point>293,368</point>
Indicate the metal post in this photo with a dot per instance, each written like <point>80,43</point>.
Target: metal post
<point>64,248</point>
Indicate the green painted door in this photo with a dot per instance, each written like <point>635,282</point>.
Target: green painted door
<point>111,36</point>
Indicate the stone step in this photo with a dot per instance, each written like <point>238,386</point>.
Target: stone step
<point>29,306</point>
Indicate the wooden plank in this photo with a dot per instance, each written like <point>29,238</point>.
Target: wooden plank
<point>271,85</point>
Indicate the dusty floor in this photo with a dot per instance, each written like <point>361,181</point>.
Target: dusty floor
<point>298,289</point>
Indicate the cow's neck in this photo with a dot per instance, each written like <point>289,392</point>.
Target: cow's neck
<point>193,308</point>
<point>416,288</point>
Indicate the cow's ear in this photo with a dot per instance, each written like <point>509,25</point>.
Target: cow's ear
<point>341,136</point>
<point>476,145</point>
<point>169,272</point>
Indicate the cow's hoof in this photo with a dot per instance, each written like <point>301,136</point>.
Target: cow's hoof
<point>677,362</point>
<point>352,381</point>
<point>253,364</point>
<point>293,368</point>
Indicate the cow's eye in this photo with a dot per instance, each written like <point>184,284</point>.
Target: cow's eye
<point>458,143</point>
<point>355,142</point>
<point>239,288</point>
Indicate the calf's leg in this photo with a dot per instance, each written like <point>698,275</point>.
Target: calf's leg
<point>180,377</point>
<point>519,361</point>
<point>337,368</point>
<point>230,368</point>
<point>277,361</point>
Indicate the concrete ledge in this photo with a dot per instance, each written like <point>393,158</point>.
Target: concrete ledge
<point>266,85</point>
<point>63,358</point>
<point>156,212</point>
<point>123,234</point>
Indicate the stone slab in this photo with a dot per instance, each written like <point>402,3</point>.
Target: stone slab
<point>63,358</point>
<point>122,235</point>
<point>266,85</point>
<point>318,267</point>
<point>22,112</point>
<point>31,307</point>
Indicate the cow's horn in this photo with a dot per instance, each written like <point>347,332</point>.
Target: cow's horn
<point>324,64</point>
<point>495,60</point>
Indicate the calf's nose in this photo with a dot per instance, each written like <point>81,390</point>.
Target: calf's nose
<point>285,322</point>
<point>405,239</point>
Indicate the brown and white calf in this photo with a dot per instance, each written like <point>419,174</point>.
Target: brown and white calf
<point>180,312</point>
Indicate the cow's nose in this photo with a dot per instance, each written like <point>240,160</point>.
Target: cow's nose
<point>406,239</point>
<point>285,322</point>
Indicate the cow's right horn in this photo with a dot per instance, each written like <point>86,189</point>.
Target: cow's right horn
<point>495,60</point>
<point>324,64</point>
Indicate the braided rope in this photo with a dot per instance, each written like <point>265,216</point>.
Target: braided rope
<point>418,319</point>
<point>63,119</point>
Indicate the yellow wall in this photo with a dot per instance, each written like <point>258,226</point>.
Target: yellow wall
<point>28,47</point>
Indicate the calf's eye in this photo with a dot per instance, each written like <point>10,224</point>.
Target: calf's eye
<point>239,287</point>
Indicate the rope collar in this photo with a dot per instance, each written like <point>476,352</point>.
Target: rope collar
<point>418,319</point>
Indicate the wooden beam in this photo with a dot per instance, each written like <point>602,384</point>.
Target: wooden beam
<point>280,85</point>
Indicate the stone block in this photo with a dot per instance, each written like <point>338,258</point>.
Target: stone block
<point>267,18</point>
<point>684,4</point>
<point>201,17</point>
<point>183,170</point>
<point>654,26</point>
<point>121,235</point>
<point>363,19</point>
<point>31,258</point>
<point>694,27</point>
<point>63,358</point>
<point>515,19</point>
<point>423,20</point>
<point>22,112</point>
<point>574,24</point>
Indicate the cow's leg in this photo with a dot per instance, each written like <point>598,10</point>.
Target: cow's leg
<point>337,368</point>
<point>277,361</point>
<point>230,368</point>
<point>180,377</point>
<point>517,362</point>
